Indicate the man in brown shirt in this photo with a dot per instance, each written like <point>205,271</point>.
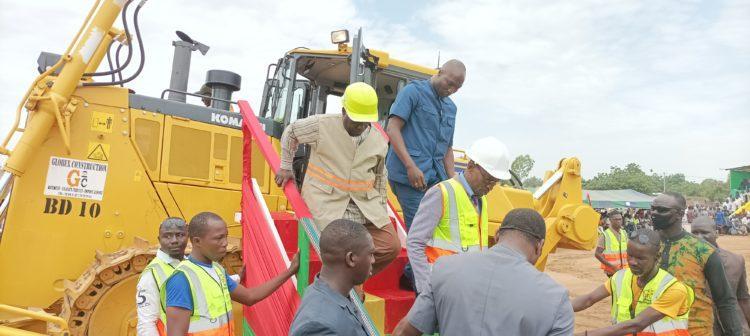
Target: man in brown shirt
<point>734,267</point>
<point>346,175</point>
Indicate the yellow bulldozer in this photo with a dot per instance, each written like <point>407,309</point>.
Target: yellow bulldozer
<point>96,168</point>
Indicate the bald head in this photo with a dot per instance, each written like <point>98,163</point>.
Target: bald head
<point>450,78</point>
<point>347,252</point>
<point>705,227</point>
<point>199,223</point>
<point>341,237</point>
<point>454,66</point>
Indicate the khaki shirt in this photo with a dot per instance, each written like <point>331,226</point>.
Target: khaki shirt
<point>337,158</point>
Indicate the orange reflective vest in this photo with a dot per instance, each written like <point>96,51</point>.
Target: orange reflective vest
<point>615,250</point>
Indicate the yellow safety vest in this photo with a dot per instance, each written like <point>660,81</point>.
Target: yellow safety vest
<point>622,299</point>
<point>212,305</point>
<point>160,270</point>
<point>615,250</point>
<point>460,229</point>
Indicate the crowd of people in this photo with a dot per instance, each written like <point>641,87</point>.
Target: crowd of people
<point>661,279</point>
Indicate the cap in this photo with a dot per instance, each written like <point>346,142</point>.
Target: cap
<point>525,220</point>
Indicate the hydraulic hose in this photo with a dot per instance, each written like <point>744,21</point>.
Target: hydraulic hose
<point>140,47</point>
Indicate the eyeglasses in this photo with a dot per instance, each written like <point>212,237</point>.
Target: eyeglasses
<point>486,177</point>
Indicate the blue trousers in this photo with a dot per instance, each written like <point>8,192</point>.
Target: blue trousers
<point>409,199</point>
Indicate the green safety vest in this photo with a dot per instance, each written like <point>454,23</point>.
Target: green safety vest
<point>460,229</point>
<point>160,270</point>
<point>615,250</point>
<point>212,304</point>
<point>622,299</point>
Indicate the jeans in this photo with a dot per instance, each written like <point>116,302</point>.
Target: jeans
<point>409,199</point>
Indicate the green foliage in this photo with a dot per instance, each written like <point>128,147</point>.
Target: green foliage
<point>630,177</point>
<point>522,166</point>
<point>633,177</point>
<point>532,182</point>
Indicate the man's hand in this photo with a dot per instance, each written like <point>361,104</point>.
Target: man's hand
<point>294,265</point>
<point>416,178</point>
<point>282,176</point>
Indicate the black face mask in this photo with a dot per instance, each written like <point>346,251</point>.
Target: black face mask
<point>661,223</point>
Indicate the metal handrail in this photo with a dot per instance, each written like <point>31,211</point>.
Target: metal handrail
<point>65,58</point>
<point>196,95</point>
<point>6,183</point>
<point>42,316</point>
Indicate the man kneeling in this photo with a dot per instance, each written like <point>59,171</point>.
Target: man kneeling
<point>645,298</point>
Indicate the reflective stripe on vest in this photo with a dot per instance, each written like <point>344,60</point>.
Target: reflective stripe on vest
<point>326,177</point>
<point>615,251</point>
<point>622,299</point>
<point>460,229</point>
<point>160,270</point>
<point>212,304</point>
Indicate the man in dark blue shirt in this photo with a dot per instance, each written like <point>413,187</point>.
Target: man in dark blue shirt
<point>346,250</point>
<point>420,126</point>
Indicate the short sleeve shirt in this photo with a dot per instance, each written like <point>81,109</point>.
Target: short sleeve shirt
<point>673,302</point>
<point>429,123</point>
<point>178,292</point>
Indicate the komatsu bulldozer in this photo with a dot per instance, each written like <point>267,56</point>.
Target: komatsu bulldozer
<point>96,168</point>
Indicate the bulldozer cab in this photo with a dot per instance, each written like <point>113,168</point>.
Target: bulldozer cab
<point>307,82</point>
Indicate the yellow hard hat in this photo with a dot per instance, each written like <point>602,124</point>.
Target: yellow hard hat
<point>360,102</point>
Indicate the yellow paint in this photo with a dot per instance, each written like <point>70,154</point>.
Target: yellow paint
<point>129,208</point>
<point>375,306</point>
<point>98,151</point>
<point>102,122</point>
<point>161,166</point>
<point>48,111</point>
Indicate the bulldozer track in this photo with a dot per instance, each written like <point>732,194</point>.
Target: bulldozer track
<point>83,296</point>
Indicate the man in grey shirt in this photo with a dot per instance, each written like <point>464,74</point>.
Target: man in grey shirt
<point>466,291</point>
<point>346,250</point>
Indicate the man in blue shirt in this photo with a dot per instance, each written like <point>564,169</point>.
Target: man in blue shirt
<point>208,234</point>
<point>420,127</point>
<point>347,252</point>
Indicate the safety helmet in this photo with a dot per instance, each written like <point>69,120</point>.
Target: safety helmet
<point>360,102</point>
<point>492,155</point>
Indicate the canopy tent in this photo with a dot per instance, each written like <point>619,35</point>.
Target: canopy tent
<point>624,198</point>
<point>739,180</point>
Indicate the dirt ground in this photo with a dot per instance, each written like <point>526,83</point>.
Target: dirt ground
<point>579,272</point>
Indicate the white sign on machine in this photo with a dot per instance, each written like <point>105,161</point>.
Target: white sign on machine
<point>75,178</point>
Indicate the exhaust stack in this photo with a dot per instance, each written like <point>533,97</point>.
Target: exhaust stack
<point>222,83</point>
<point>183,49</point>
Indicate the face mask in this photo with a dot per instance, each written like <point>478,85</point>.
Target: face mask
<point>661,223</point>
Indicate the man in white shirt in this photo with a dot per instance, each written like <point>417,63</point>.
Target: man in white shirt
<point>173,237</point>
<point>172,242</point>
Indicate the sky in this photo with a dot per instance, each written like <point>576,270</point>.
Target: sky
<point>665,84</point>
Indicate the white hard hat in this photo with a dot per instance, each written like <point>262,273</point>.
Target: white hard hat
<point>492,155</point>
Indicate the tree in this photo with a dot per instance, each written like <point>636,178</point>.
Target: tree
<point>633,177</point>
<point>532,182</point>
<point>522,166</point>
<point>630,177</point>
